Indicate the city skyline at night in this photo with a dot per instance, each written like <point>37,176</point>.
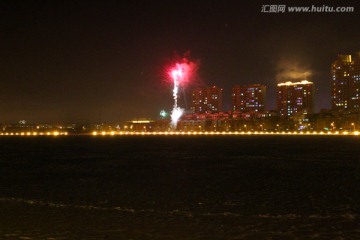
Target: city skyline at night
<point>182,119</point>
<point>89,61</point>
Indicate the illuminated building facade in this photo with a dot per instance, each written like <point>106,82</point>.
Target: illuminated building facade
<point>345,73</point>
<point>248,98</point>
<point>295,98</point>
<point>207,100</point>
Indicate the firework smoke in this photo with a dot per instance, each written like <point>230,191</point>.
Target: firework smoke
<point>291,70</point>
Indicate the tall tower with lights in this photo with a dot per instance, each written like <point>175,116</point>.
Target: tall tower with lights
<point>345,73</point>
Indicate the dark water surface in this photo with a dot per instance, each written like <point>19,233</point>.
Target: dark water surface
<point>167,187</point>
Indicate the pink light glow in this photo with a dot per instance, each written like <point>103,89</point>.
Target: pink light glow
<point>181,73</point>
<point>176,73</point>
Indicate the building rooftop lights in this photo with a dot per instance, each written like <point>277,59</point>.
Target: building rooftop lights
<point>289,83</point>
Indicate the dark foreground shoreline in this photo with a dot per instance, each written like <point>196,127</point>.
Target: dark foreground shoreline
<point>258,187</point>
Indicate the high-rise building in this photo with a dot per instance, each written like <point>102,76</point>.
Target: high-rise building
<point>248,98</point>
<point>345,73</point>
<point>294,98</point>
<point>207,100</point>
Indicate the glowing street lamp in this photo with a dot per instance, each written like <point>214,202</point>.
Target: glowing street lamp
<point>245,127</point>
<point>353,125</point>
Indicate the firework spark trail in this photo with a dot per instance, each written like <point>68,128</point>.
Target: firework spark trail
<point>176,74</point>
<point>180,74</point>
<point>177,111</point>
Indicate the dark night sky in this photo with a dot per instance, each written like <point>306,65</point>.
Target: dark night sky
<point>77,61</point>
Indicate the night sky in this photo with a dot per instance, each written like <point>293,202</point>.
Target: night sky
<point>102,61</point>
